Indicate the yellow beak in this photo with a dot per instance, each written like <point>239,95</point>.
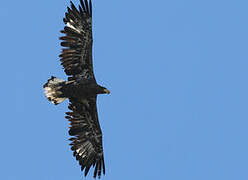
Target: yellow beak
<point>106,91</point>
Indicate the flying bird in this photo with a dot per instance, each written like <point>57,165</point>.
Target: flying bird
<point>81,88</point>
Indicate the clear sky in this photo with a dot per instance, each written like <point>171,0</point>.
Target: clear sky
<point>177,72</point>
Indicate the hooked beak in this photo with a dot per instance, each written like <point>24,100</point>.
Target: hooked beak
<point>106,91</point>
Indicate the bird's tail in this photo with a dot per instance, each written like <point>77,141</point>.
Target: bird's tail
<point>53,90</point>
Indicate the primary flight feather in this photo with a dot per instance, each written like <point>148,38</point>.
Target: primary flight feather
<point>81,88</point>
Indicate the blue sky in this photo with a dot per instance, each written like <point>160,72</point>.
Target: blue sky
<point>177,72</point>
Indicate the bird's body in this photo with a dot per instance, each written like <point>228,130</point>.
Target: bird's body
<point>81,88</point>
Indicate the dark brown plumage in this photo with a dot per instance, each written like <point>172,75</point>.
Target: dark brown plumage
<point>81,88</point>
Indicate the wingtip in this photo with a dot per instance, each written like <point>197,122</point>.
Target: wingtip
<point>83,6</point>
<point>71,3</point>
<point>90,8</point>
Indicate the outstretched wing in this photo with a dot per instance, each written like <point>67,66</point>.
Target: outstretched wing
<point>76,57</point>
<point>87,141</point>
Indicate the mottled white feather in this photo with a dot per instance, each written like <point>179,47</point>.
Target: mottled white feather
<point>68,24</point>
<point>52,90</point>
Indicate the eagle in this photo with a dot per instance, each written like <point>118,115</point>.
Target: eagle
<point>80,88</point>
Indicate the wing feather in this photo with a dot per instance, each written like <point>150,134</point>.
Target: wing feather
<point>76,56</point>
<point>86,5</point>
<point>87,136</point>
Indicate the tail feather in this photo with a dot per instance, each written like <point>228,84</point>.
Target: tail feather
<point>53,90</point>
